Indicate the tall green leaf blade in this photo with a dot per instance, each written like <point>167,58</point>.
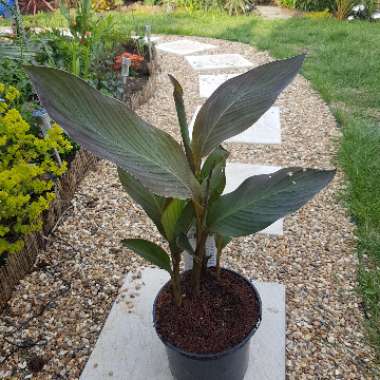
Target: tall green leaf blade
<point>182,120</point>
<point>149,251</point>
<point>152,204</point>
<point>213,173</point>
<point>170,217</point>
<point>261,200</point>
<point>218,155</point>
<point>184,243</point>
<point>106,127</point>
<point>186,219</point>
<point>239,102</point>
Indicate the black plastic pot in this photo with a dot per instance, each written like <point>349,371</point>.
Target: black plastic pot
<point>231,364</point>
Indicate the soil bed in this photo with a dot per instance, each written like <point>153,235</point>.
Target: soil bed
<point>221,317</point>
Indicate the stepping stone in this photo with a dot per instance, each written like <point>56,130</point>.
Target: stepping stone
<point>237,173</point>
<point>274,12</point>
<point>129,349</point>
<point>6,31</point>
<point>183,47</point>
<point>218,61</point>
<point>267,130</point>
<point>209,83</point>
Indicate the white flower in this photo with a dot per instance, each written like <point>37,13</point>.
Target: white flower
<point>359,8</point>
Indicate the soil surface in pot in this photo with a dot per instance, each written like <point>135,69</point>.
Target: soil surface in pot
<point>220,318</point>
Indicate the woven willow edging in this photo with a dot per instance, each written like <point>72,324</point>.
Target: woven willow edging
<point>18,265</point>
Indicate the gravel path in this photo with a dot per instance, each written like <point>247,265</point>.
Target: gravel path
<point>77,278</point>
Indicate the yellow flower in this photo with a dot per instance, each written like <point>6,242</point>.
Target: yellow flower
<point>3,106</point>
<point>27,172</point>
<point>12,94</point>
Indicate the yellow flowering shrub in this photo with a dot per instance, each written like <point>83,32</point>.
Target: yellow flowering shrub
<point>105,5</point>
<point>318,15</point>
<point>27,173</point>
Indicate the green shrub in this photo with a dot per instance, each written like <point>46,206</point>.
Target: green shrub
<point>27,173</point>
<point>11,73</point>
<point>105,5</point>
<point>343,8</point>
<point>288,3</point>
<point>236,7</point>
<point>314,5</point>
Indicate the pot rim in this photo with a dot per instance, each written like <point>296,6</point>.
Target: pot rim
<point>216,355</point>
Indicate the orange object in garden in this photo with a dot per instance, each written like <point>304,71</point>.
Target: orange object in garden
<point>135,59</point>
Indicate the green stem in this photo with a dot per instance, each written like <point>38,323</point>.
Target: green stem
<point>198,261</point>
<point>218,256</point>
<point>176,279</point>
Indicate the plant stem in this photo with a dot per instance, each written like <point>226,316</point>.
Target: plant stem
<point>198,261</point>
<point>176,280</point>
<point>218,256</point>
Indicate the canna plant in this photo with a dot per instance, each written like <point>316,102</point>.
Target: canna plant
<point>182,186</point>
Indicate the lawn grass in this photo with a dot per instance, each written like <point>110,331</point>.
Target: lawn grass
<point>343,64</point>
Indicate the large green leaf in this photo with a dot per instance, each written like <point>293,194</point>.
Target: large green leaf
<point>153,205</point>
<point>109,129</point>
<point>261,200</point>
<point>149,251</point>
<point>239,102</point>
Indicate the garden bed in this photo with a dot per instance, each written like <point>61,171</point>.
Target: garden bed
<point>18,265</point>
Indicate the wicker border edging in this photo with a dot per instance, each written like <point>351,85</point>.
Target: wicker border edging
<point>19,265</point>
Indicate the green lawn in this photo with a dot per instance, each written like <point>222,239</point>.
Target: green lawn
<point>344,66</point>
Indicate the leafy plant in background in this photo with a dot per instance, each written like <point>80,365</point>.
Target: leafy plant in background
<point>12,73</point>
<point>182,186</point>
<point>343,8</point>
<point>35,6</point>
<point>89,35</point>
<point>287,3</point>
<point>80,18</point>
<point>105,5</point>
<point>236,7</point>
<point>314,5</point>
<point>27,172</point>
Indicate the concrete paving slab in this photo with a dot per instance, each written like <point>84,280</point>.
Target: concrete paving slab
<point>184,47</point>
<point>209,83</point>
<point>129,349</point>
<point>267,130</point>
<point>6,31</point>
<point>218,61</point>
<point>275,12</point>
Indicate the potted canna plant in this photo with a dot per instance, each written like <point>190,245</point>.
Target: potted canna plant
<point>207,315</point>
